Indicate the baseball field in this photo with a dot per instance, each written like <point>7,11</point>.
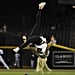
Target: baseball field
<point>32,72</point>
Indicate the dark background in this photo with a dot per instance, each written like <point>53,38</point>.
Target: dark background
<point>58,18</point>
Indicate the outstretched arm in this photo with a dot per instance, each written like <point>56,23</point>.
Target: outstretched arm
<point>38,17</point>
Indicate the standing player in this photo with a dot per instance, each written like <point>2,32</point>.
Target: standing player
<point>17,59</point>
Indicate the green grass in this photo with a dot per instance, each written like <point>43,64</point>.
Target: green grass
<point>32,72</point>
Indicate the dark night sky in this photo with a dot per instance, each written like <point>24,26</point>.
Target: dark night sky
<point>14,6</point>
<point>19,4</point>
